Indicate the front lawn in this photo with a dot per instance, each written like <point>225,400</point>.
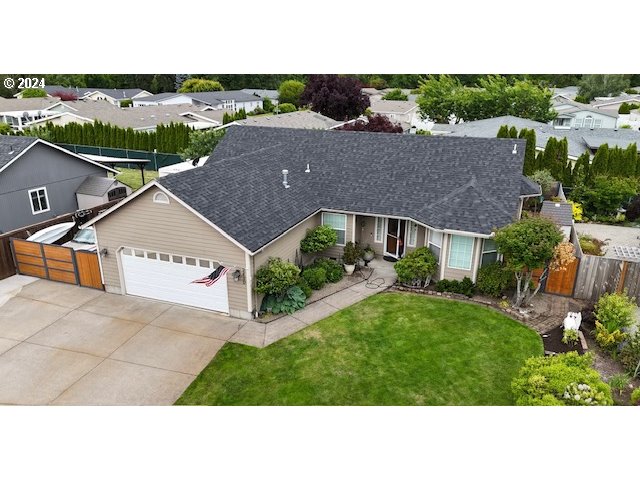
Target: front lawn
<point>390,349</point>
<point>132,177</point>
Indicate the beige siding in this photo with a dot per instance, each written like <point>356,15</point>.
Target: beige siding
<point>455,273</point>
<point>170,229</point>
<point>419,239</point>
<point>336,252</point>
<point>286,246</point>
<point>365,233</point>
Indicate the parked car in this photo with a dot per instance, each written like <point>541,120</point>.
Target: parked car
<point>84,239</point>
<point>51,234</point>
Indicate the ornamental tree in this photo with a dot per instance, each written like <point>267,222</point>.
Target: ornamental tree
<point>318,239</point>
<point>193,85</point>
<point>201,143</point>
<point>374,123</point>
<point>33,93</point>
<point>527,245</point>
<point>335,96</point>
<point>290,91</point>
<point>599,85</point>
<point>395,94</point>
<point>65,96</point>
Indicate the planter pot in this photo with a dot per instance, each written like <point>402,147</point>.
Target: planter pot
<point>349,269</point>
<point>368,256</point>
<point>427,281</point>
<point>361,263</point>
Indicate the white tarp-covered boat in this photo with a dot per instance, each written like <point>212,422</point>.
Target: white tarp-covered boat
<point>52,233</point>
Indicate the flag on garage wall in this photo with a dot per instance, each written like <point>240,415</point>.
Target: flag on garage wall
<point>213,277</point>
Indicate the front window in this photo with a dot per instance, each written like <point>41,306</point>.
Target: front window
<point>577,123</point>
<point>379,230</point>
<point>461,252</point>
<point>337,221</point>
<point>39,200</point>
<point>588,122</point>
<point>412,237</point>
<point>435,243</point>
<point>489,251</point>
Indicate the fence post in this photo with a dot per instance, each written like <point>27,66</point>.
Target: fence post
<point>620,285</point>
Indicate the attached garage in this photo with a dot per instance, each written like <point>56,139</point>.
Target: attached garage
<point>171,277</point>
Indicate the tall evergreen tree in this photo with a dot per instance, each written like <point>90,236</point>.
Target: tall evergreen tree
<point>503,132</point>
<point>513,132</point>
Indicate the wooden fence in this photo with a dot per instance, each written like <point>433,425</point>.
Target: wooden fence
<point>7,264</point>
<point>54,262</point>
<point>599,275</point>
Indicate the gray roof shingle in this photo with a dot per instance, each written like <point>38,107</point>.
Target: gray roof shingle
<point>118,93</point>
<point>95,185</point>
<point>464,184</point>
<point>210,98</point>
<point>12,146</point>
<point>528,187</point>
<point>300,119</point>
<point>561,213</point>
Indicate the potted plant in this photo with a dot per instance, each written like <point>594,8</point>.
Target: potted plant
<point>350,257</point>
<point>368,254</point>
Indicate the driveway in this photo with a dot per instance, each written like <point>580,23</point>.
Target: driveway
<point>66,345</point>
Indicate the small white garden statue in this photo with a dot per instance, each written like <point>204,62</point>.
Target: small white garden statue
<point>572,321</point>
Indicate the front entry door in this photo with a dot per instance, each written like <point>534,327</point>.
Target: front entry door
<point>395,237</point>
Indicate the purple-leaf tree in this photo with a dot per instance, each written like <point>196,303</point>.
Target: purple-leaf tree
<point>337,97</point>
<point>375,123</point>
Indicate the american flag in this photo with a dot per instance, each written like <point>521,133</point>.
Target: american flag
<point>213,277</point>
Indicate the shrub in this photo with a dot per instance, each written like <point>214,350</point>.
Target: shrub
<point>577,211</point>
<point>631,91</point>
<point>630,354</point>
<point>590,245</point>
<point>417,267</point>
<point>395,94</point>
<point>333,269</point>
<point>563,379</point>
<point>624,108</point>
<point>286,107</point>
<point>570,336</point>
<point>493,279</point>
<point>304,286</point>
<point>33,93</point>
<point>626,125</point>
<point>126,103</point>
<point>5,128</point>
<point>614,312</point>
<point>544,179</point>
<point>315,277</point>
<point>318,239</point>
<point>352,253</point>
<point>635,397</point>
<point>276,277</point>
<point>293,299</point>
<point>633,210</point>
<point>619,382</point>
<point>581,99</point>
<point>464,287</point>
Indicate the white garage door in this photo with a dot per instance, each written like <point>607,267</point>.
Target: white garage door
<point>170,278</point>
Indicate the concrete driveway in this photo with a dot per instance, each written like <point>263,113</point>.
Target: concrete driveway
<point>65,345</point>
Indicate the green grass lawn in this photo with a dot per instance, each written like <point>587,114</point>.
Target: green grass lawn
<point>390,349</point>
<point>132,177</point>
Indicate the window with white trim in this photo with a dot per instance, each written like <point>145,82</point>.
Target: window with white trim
<point>435,243</point>
<point>460,252</point>
<point>39,200</point>
<point>597,123</point>
<point>337,221</point>
<point>379,230</point>
<point>489,252</point>
<point>577,122</point>
<point>161,197</point>
<point>588,122</point>
<point>412,234</point>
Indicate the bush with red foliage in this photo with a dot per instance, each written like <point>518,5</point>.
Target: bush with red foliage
<point>337,97</point>
<point>375,123</point>
<point>66,96</point>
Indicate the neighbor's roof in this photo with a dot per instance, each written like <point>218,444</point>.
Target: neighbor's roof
<point>118,93</point>
<point>301,119</point>
<point>24,104</point>
<point>261,92</point>
<point>625,97</point>
<point>570,92</point>
<point>573,107</point>
<point>95,185</point>
<point>560,212</point>
<point>393,106</point>
<point>529,188</point>
<point>12,146</point>
<point>576,140</point>
<point>210,98</point>
<point>240,188</point>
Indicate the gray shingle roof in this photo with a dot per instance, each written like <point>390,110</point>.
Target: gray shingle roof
<point>574,107</point>
<point>465,184</point>
<point>119,93</point>
<point>301,119</point>
<point>96,186</point>
<point>561,213</point>
<point>528,187</point>
<point>262,92</point>
<point>575,137</point>
<point>13,144</point>
<point>210,98</point>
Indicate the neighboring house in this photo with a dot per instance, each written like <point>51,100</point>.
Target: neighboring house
<point>573,114</point>
<point>299,119</point>
<point>39,180</point>
<point>580,140</point>
<point>97,190</point>
<point>612,104</point>
<point>400,111</point>
<point>561,213</point>
<point>82,111</point>
<point>393,192</point>
<point>569,93</point>
<point>19,112</point>
<point>272,95</point>
<point>232,100</point>
<point>111,95</point>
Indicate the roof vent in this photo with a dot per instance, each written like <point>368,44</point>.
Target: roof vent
<point>557,205</point>
<point>308,169</point>
<point>284,181</point>
<point>515,148</point>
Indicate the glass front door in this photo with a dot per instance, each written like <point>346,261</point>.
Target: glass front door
<point>395,237</point>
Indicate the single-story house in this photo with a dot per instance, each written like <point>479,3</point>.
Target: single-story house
<point>263,93</point>
<point>111,95</point>
<point>263,188</point>
<point>403,112</point>
<point>232,100</point>
<point>299,119</point>
<point>569,92</point>
<point>612,104</point>
<point>572,114</point>
<point>19,112</point>
<point>580,140</point>
<point>39,180</point>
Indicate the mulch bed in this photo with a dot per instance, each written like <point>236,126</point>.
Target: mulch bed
<point>552,341</point>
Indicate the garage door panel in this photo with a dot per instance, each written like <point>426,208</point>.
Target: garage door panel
<point>169,281</point>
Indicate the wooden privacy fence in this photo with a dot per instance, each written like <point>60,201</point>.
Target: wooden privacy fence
<point>7,265</point>
<point>53,262</point>
<point>599,275</point>
<point>561,282</point>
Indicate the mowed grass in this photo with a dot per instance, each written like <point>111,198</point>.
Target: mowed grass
<point>390,349</point>
<point>132,177</point>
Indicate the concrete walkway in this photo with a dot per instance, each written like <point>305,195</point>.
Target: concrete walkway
<point>261,335</point>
